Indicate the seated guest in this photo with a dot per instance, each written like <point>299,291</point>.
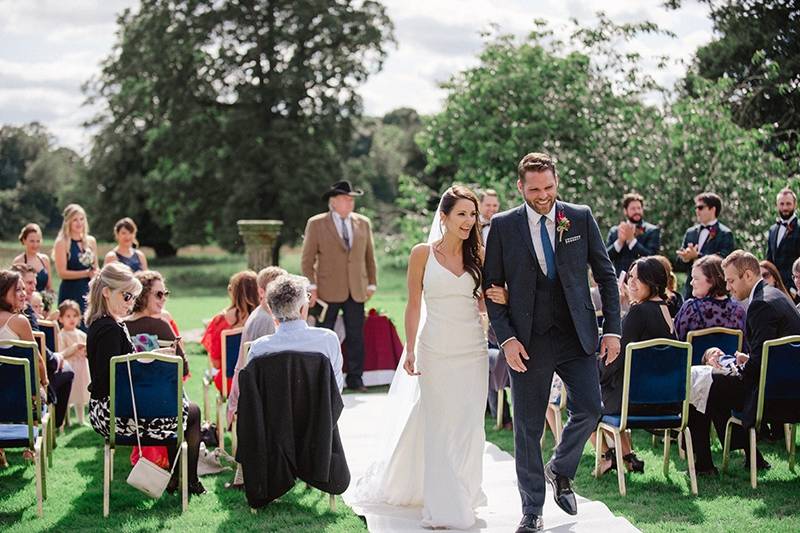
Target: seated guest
<point>59,371</point>
<point>147,314</point>
<point>14,326</point>
<point>710,305</point>
<point>287,298</point>
<point>112,293</point>
<point>770,315</point>
<point>719,360</point>
<point>259,323</point>
<point>126,251</point>
<point>674,299</point>
<point>770,274</point>
<point>243,292</point>
<point>648,318</point>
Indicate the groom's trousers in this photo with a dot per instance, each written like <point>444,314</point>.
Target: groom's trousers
<point>558,351</point>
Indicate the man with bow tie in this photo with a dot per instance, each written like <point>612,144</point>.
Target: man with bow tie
<point>633,238</point>
<point>488,205</point>
<point>783,243</point>
<point>705,238</point>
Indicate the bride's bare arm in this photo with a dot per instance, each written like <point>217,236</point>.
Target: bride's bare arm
<point>416,269</point>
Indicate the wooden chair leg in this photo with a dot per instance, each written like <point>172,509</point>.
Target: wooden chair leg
<point>667,443</point>
<point>787,428</point>
<point>38,467</point>
<point>184,477</point>
<point>42,457</point>
<point>205,400</point>
<point>687,438</point>
<point>598,440</point>
<point>500,403</point>
<point>558,429</point>
<point>792,445</point>
<point>220,426</point>
<point>753,465</point>
<point>620,462</point>
<point>726,447</point>
<point>106,479</point>
<point>332,502</point>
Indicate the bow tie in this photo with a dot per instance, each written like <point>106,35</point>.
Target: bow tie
<point>706,227</point>
<point>486,224</point>
<point>784,223</point>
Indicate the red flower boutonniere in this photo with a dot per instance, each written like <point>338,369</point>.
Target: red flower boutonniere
<point>639,231</point>
<point>712,232</point>
<point>562,224</point>
<point>790,227</point>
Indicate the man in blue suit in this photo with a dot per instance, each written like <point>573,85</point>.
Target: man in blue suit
<point>632,238</point>
<point>783,243</point>
<point>707,237</point>
<point>541,252</point>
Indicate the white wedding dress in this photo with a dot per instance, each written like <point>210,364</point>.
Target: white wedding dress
<point>433,454</point>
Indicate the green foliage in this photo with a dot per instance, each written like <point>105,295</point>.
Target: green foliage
<point>36,178</point>
<point>219,111</point>
<point>584,102</point>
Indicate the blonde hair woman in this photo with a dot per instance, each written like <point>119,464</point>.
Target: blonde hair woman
<point>75,256</point>
<point>31,239</point>
<point>126,251</point>
<point>112,294</point>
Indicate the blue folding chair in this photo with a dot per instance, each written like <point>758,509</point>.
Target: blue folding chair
<point>158,386</point>
<point>726,339</point>
<point>50,330</point>
<point>657,372</point>
<point>779,380</point>
<point>231,343</point>
<point>19,384</point>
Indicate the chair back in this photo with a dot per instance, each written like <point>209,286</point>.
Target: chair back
<point>15,380</point>
<point>657,372</point>
<point>726,339</point>
<point>157,385</point>
<point>50,330</point>
<point>780,372</point>
<point>41,341</point>
<point>231,342</point>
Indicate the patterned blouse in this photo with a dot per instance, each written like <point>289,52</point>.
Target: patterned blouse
<point>700,313</point>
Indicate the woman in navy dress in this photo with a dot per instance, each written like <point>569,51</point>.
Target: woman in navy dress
<point>75,255</point>
<point>126,251</point>
<point>31,239</point>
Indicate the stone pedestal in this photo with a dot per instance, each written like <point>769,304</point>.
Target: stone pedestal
<point>259,238</point>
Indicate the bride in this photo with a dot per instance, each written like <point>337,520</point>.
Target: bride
<point>433,455</point>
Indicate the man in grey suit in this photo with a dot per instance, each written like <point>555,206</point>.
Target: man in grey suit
<point>541,251</point>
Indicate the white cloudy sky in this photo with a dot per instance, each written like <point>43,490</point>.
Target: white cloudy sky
<point>49,48</point>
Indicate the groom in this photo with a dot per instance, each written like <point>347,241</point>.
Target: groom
<point>541,251</point>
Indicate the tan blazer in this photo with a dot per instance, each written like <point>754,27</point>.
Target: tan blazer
<point>327,263</point>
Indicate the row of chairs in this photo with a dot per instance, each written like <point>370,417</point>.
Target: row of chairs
<point>658,372</point>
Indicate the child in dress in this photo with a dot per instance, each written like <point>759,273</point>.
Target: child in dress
<point>70,335</point>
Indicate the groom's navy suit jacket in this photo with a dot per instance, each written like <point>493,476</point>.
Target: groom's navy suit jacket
<point>511,260</point>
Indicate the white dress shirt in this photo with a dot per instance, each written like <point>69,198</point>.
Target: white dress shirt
<point>782,231</point>
<point>298,336</point>
<point>485,226</point>
<point>533,226</point>
<point>701,239</point>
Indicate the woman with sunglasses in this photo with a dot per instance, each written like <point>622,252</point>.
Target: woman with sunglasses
<point>112,294</point>
<point>148,313</point>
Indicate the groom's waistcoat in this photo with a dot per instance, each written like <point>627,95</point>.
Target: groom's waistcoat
<point>551,309</point>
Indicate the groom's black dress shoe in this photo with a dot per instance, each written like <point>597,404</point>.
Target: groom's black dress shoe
<point>562,490</point>
<point>530,523</point>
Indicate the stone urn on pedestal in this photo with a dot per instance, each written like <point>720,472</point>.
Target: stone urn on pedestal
<point>259,238</point>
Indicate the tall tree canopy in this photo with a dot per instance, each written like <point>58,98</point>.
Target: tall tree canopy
<point>215,111</point>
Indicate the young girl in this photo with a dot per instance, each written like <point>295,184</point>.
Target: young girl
<point>70,335</point>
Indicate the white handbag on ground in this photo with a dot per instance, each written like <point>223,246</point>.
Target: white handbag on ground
<point>145,475</point>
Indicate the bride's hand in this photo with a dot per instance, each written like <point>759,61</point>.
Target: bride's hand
<point>498,295</point>
<point>408,366</point>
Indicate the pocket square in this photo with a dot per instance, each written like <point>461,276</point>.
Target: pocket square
<point>572,239</point>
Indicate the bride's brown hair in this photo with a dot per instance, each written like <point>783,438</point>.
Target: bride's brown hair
<point>471,246</point>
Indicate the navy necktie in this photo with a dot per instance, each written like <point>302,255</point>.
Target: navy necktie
<point>547,247</point>
<point>345,235</point>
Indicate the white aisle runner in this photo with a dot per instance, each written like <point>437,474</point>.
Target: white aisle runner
<point>359,426</point>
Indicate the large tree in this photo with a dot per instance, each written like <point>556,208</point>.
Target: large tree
<point>215,111</point>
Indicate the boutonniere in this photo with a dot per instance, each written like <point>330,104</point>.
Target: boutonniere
<point>790,226</point>
<point>639,231</point>
<point>562,224</point>
<point>712,232</point>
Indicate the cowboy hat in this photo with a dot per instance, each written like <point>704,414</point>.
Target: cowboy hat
<point>342,187</point>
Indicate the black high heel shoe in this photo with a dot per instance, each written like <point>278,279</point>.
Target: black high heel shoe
<point>633,463</point>
<point>610,455</point>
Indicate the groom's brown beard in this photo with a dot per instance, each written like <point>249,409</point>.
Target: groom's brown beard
<point>531,205</point>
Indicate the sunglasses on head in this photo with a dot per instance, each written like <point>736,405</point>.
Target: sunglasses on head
<point>162,294</point>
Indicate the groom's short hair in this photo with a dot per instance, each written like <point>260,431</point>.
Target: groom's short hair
<point>536,162</point>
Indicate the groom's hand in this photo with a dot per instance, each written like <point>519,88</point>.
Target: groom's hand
<point>515,353</point>
<point>609,348</point>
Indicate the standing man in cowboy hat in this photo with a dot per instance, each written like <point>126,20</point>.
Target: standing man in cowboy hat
<point>339,260</point>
